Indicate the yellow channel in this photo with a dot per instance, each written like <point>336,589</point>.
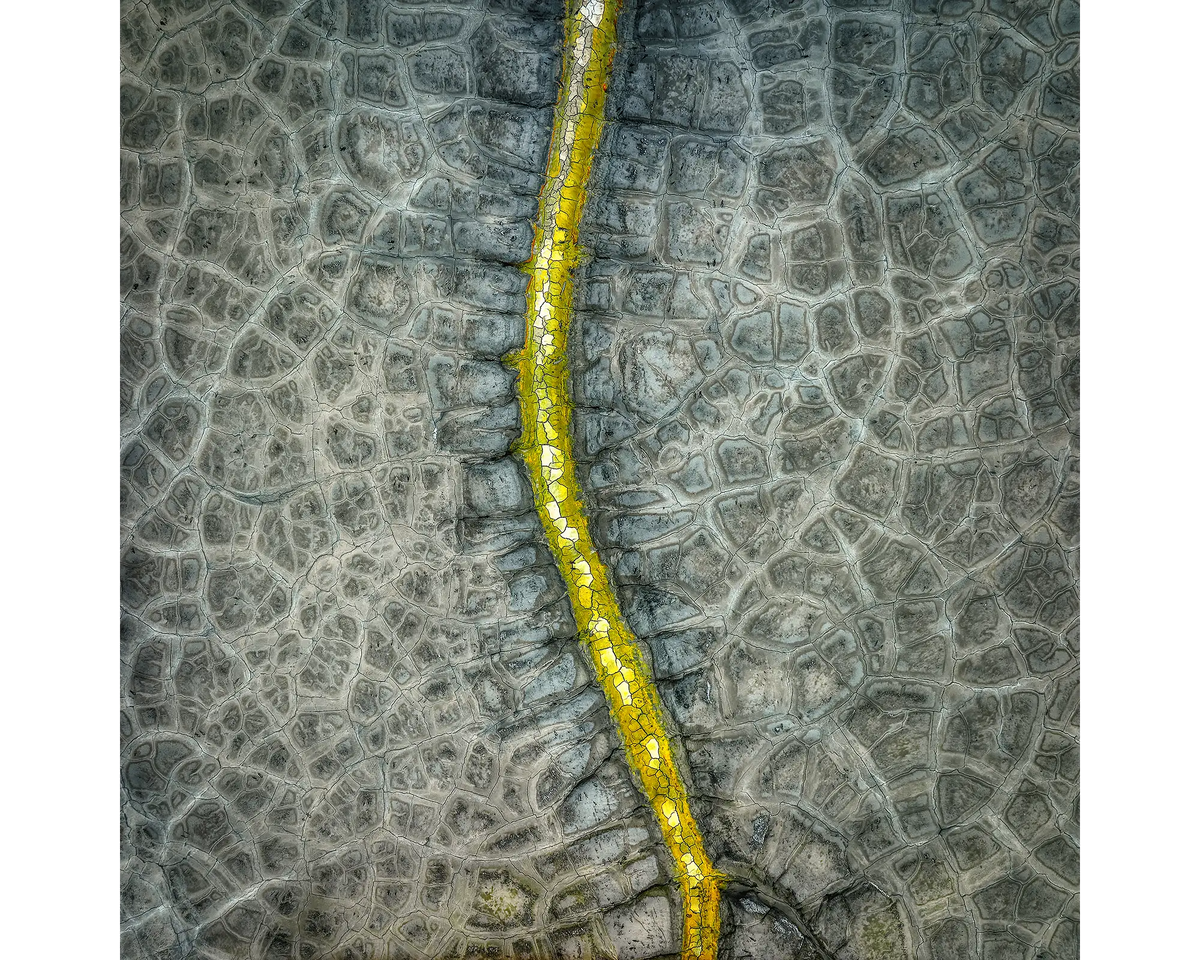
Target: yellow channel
<point>546,446</point>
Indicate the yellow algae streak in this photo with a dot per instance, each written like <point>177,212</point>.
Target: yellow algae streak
<point>546,446</point>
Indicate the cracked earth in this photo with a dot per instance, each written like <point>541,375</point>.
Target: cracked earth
<point>824,371</point>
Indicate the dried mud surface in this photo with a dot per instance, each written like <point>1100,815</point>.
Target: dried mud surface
<point>826,374</point>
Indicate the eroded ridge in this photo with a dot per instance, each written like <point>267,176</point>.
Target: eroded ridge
<point>546,445</point>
